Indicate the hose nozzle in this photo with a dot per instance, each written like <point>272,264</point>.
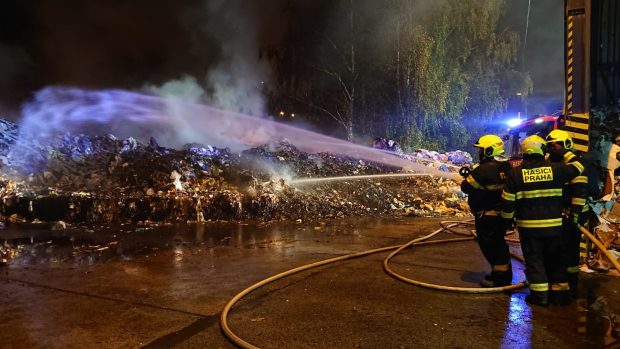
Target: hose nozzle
<point>464,171</point>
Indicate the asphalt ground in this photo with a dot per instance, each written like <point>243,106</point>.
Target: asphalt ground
<point>163,287</point>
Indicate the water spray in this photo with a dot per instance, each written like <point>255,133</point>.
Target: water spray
<point>360,177</point>
<point>174,122</point>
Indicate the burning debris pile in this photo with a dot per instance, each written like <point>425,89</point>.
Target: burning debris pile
<point>78,178</point>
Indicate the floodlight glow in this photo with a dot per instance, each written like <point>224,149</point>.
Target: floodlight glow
<point>538,121</point>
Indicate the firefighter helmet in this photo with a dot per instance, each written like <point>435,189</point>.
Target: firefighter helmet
<point>561,137</point>
<point>533,145</point>
<point>491,145</point>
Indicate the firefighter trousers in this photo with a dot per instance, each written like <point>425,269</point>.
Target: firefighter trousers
<point>572,240</point>
<point>572,245</point>
<point>491,230</point>
<point>545,267</point>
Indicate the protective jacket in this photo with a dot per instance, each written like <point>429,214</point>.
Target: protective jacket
<point>484,185</point>
<point>533,195</point>
<point>576,191</point>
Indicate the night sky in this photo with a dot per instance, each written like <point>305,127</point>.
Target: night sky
<point>97,44</point>
<point>127,44</point>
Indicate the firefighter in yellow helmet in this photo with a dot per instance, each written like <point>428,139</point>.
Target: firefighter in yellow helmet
<point>533,196</point>
<point>484,186</point>
<point>576,193</point>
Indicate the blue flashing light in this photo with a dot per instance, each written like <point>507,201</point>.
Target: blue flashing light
<point>513,122</point>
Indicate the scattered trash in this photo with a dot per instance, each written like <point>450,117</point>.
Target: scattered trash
<point>79,178</point>
<point>60,225</point>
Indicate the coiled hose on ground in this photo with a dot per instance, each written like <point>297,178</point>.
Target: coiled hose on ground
<point>447,226</point>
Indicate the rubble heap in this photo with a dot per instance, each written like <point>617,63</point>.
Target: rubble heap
<point>78,178</point>
<point>608,232</point>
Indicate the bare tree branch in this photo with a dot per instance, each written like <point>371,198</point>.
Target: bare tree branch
<point>340,81</point>
<point>345,61</point>
<point>335,116</point>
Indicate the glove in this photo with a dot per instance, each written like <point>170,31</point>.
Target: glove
<point>464,171</point>
<point>571,216</point>
<point>574,217</point>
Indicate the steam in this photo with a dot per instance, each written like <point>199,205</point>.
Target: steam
<point>186,88</point>
<point>235,83</point>
<point>133,114</point>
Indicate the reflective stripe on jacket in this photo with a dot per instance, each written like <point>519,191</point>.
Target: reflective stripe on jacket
<point>484,185</point>
<point>533,194</point>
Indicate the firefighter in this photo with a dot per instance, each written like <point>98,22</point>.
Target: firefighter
<point>576,193</point>
<point>533,195</point>
<point>484,186</point>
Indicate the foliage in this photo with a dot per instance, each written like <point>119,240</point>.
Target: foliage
<point>428,74</point>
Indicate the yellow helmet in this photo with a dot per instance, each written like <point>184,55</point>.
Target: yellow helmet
<point>491,145</point>
<point>533,145</point>
<point>562,137</point>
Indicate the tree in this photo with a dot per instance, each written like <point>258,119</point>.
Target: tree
<point>455,67</point>
<point>337,89</point>
<point>424,73</point>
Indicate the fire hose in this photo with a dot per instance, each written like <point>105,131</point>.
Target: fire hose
<point>445,226</point>
<point>600,246</point>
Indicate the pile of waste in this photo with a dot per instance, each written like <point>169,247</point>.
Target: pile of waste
<point>81,179</point>
<point>608,232</point>
<point>457,158</point>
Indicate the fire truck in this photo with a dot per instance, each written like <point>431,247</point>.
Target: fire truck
<point>521,128</point>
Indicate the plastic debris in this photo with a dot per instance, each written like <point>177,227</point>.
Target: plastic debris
<point>78,178</point>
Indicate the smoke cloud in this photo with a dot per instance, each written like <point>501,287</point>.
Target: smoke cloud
<point>132,114</point>
<point>236,81</point>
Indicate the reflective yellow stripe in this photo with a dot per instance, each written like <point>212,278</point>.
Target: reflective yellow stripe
<point>568,157</point>
<point>491,213</point>
<point>575,124</point>
<point>474,183</point>
<point>586,208</point>
<point>562,286</point>
<point>577,135</point>
<point>573,269</point>
<point>495,187</point>
<point>507,215</point>
<point>578,201</point>
<point>539,223</point>
<point>580,147</point>
<point>542,193</point>
<point>500,267</point>
<point>507,196</point>
<point>539,287</point>
<point>578,165</point>
<point>579,179</point>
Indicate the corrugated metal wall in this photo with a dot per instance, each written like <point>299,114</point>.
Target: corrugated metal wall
<point>577,78</point>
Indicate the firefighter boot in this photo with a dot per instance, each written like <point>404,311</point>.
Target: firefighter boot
<point>560,297</point>
<point>573,283</point>
<point>538,298</point>
<point>560,293</point>
<point>498,278</point>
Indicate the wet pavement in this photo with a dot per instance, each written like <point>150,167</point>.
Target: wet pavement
<point>165,286</point>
